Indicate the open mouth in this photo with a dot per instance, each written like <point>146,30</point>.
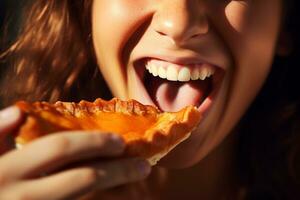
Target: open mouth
<point>172,86</point>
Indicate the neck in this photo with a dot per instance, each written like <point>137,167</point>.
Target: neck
<point>215,177</point>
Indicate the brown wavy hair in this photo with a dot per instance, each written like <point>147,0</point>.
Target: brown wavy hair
<point>52,59</point>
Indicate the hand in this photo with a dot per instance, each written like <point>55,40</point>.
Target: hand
<point>20,170</point>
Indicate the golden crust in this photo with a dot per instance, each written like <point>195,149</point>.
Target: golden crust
<point>147,131</point>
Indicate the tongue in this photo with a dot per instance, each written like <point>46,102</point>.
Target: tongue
<point>172,96</point>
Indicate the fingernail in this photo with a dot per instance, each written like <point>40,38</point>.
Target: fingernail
<point>143,167</point>
<point>9,115</point>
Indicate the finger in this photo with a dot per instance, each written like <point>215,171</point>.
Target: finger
<point>76,182</point>
<point>66,185</point>
<point>9,119</point>
<point>54,151</point>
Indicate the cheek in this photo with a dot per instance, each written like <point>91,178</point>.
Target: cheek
<point>110,24</point>
<point>253,41</point>
<point>250,34</point>
<point>236,13</point>
<point>115,20</point>
<point>257,36</point>
<point>250,29</point>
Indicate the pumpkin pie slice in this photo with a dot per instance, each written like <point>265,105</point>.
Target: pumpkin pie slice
<point>147,131</point>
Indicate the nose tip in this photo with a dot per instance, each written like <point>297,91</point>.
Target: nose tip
<point>178,33</point>
<point>181,21</point>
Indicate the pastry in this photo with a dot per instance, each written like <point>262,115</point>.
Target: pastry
<point>147,131</point>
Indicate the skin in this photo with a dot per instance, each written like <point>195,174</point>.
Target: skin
<point>238,36</point>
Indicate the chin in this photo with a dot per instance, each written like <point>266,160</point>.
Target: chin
<point>180,158</point>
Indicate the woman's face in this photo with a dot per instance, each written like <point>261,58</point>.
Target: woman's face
<point>214,54</point>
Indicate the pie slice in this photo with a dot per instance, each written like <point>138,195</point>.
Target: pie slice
<point>147,131</point>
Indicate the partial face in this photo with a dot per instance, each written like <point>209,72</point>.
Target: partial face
<point>214,54</point>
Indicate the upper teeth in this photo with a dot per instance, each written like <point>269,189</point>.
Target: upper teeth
<point>173,73</point>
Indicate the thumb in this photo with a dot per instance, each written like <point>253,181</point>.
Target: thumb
<point>9,119</point>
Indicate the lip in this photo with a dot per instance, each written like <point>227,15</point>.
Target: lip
<point>217,78</point>
<point>180,58</point>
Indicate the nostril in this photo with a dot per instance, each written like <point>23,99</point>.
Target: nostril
<point>183,33</point>
<point>195,35</point>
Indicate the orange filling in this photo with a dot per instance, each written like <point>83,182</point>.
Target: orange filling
<point>148,132</point>
<point>128,125</point>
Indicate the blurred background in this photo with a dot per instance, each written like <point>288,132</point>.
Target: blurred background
<point>10,16</point>
<point>10,11</point>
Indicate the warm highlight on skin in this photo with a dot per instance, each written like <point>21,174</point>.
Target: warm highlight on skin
<point>236,36</point>
<point>53,57</point>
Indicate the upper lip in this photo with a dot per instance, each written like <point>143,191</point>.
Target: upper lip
<point>180,58</point>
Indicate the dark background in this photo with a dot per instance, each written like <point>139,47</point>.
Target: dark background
<point>10,15</point>
<point>2,10</point>
<point>2,13</point>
